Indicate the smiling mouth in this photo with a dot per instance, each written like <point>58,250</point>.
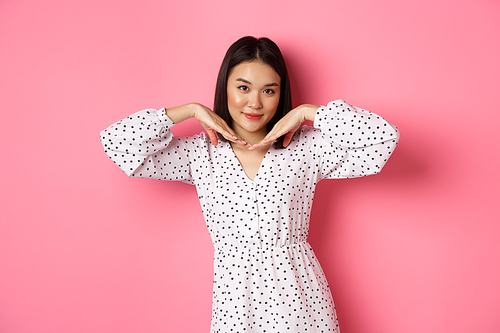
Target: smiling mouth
<point>253,116</point>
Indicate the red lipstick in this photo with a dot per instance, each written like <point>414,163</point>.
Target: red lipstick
<point>253,116</point>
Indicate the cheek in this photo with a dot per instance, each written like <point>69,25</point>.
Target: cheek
<point>273,104</point>
<point>233,100</point>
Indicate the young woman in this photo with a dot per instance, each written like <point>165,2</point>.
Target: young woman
<point>255,174</point>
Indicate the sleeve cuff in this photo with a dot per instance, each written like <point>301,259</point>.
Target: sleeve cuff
<point>321,112</point>
<point>164,119</point>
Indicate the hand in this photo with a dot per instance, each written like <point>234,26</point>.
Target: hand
<point>214,124</point>
<point>288,125</point>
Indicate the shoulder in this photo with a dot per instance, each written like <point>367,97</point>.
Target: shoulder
<point>200,139</point>
<point>198,145</point>
<point>307,133</point>
<point>305,136</point>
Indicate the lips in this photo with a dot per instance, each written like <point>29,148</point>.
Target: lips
<point>253,116</point>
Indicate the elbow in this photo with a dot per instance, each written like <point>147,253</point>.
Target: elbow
<point>395,134</point>
<point>104,138</point>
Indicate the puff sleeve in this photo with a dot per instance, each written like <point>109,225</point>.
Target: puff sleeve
<point>355,142</point>
<point>142,145</point>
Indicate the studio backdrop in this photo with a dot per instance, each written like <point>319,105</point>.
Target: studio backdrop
<point>85,249</point>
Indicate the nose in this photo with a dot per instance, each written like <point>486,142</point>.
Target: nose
<point>254,101</point>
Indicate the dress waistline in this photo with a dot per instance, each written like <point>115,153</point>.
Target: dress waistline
<point>253,249</point>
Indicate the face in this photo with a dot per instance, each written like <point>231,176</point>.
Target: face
<point>253,95</point>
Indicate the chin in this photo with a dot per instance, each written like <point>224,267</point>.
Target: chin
<point>252,128</point>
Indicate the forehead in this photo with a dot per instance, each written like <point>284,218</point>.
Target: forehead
<point>254,72</point>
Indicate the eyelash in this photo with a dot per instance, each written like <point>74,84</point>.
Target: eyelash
<point>267,91</point>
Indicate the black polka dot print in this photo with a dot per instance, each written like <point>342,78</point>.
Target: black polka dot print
<point>266,276</point>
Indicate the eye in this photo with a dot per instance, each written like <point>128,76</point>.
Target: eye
<point>268,91</point>
<point>243,88</point>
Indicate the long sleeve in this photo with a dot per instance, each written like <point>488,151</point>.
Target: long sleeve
<point>142,145</point>
<point>355,142</point>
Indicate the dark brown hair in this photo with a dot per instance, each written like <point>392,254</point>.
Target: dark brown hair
<point>253,49</point>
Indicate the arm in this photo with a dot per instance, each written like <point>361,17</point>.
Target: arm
<point>210,121</point>
<point>143,146</point>
<point>289,124</point>
<point>355,142</point>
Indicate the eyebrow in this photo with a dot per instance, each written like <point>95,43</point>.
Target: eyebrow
<point>274,84</point>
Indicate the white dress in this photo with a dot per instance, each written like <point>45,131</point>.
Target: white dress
<point>266,276</point>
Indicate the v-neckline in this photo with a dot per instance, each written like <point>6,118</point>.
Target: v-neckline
<point>243,169</point>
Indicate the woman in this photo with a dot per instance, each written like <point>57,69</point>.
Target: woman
<point>255,174</point>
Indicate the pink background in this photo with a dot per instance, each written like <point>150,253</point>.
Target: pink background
<point>85,249</point>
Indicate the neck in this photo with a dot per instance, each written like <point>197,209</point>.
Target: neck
<point>251,137</point>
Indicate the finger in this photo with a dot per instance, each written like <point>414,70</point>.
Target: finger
<point>270,137</point>
<point>275,134</point>
<point>264,142</point>
<point>228,136</point>
<point>213,130</point>
<point>217,124</point>
<point>213,136</point>
<point>288,138</point>
<point>243,143</point>
<point>226,131</point>
<point>234,138</point>
<point>258,145</point>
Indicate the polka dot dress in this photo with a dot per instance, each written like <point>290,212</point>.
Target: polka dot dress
<point>266,276</point>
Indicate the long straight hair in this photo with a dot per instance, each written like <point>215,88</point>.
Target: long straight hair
<point>263,50</point>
